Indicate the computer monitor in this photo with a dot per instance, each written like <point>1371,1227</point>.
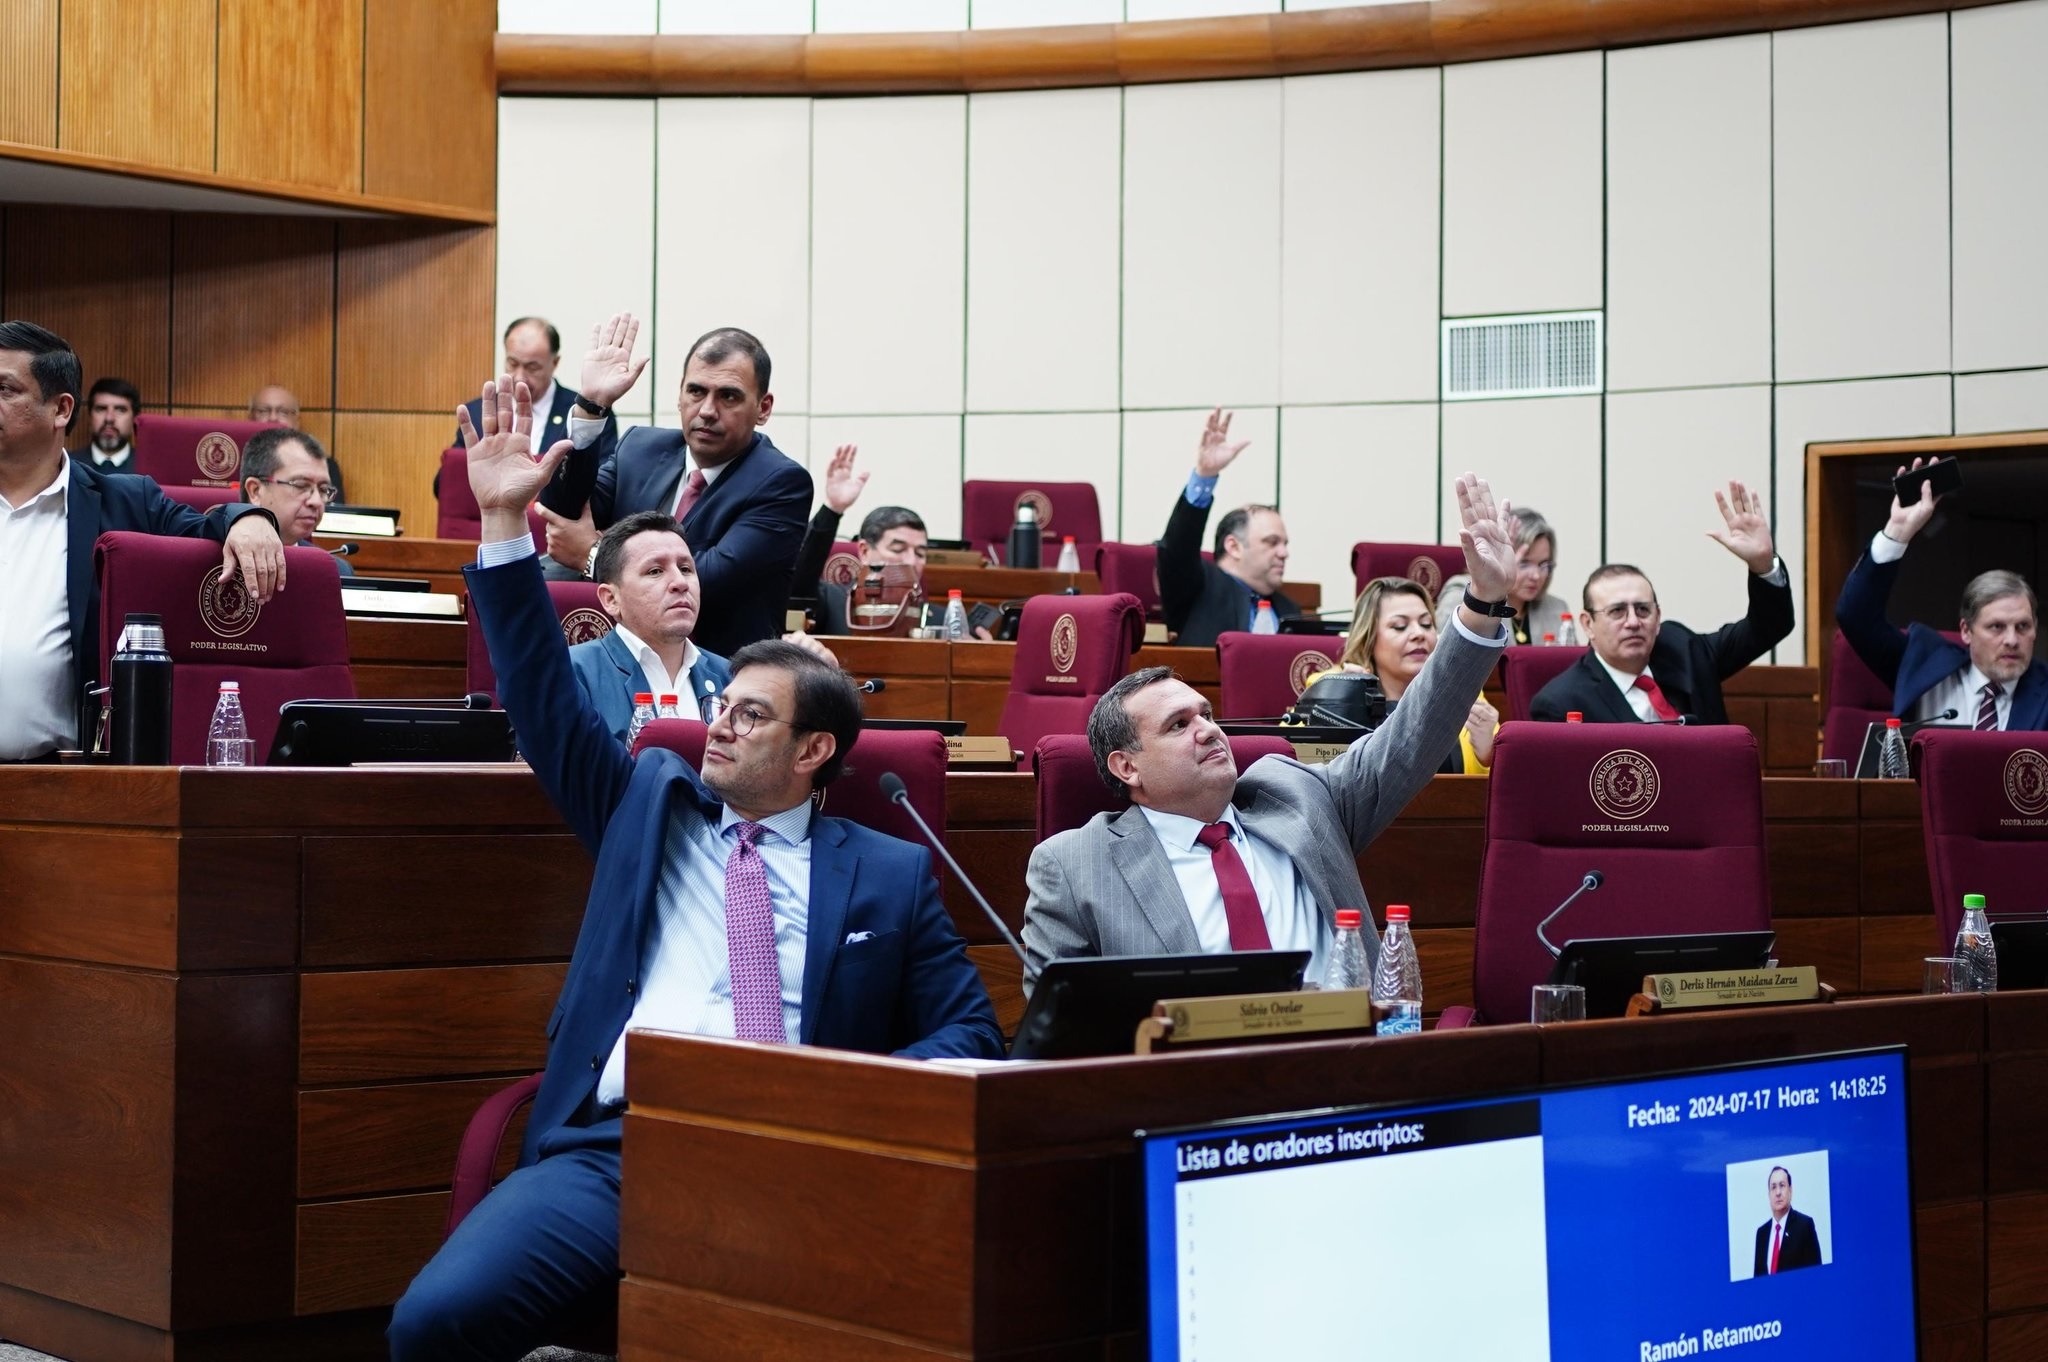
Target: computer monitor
<point>1611,968</point>
<point>2022,948</point>
<point>1092,1005</point>
<point>1625,1220</point>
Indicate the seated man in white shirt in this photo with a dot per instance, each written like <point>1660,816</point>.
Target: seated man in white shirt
<point>647,583</point>
<point>1991,680</point>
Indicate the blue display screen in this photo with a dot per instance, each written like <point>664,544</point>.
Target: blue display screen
<point>1755,1212</point>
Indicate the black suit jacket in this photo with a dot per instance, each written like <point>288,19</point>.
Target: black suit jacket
<point>1800,1249</point>
<point>569,489</point>
<point>1198,599</point>
<point>1917,659</point>
<point>744,531</point>
<point>1689,668</point>
<point>126,467</point>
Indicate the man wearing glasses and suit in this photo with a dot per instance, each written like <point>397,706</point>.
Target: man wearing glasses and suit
<point>285,472</point>
<point>1643,668</point>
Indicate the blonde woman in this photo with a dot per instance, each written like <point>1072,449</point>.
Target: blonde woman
<point>1393,632</point>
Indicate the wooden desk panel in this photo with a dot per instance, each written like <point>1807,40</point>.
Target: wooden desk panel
<point>403,659</point>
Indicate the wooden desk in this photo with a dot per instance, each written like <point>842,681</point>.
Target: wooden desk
<point>439,561</point>
<point>401,659</point>
<point>246,1015</point>
<point>872,1208</point>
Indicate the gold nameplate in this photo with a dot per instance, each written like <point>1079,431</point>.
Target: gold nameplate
<point>1733,988</point>
<point>1316,753</point>
<point>995,753</point>
<point>1254,1016</point>
<point>955,558</point>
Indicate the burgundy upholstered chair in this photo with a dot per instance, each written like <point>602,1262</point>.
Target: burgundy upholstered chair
<point>1070,791</point>
<point>192,451</point>
<point>458,516</point>
<point>989,509</point>
<point>1984,817</point>
<point>842,567</point>
<point>1856,699</point>
<point>295,648</point>
<point>576,608</point>
<point>1070,649</point>
<point>1526,668</point>
<point>1264,674</point>
<point>1430,564</point>
<point>203,499</point>
<point>1132,569</point>
<point>1672,816</point>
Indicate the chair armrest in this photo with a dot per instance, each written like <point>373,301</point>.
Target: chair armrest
<point>477,1158</point>
<point>1456,1018</point>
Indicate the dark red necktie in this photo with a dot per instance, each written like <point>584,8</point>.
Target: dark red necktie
<point>1658,704</point>
<point>692,489</point>
<point>1240,900</point>
<point>1987,709</point>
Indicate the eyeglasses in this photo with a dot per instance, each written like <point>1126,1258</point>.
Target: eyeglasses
<point>1541,569</point>
<point>288,415</point>
<point>1619,611</point>
<point>744,716</point>
<point>326,491</point>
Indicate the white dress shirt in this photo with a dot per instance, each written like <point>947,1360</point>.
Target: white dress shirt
<point>1625,681</point>
<point>1293,920</point>
<point>1963,690</point>
<point>38,693</point>
<point>116,460</point>
<point>652,670</point>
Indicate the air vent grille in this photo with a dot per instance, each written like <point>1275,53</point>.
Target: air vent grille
<point>1536,355</point>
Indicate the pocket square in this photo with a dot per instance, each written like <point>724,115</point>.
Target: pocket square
<point>852,937</point>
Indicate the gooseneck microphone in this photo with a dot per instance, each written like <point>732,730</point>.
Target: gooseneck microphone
<point>1918,724</point>
<point>345,550</point>
<point>892,786</point>
<point>1593,880</point>
<point>874,685</point>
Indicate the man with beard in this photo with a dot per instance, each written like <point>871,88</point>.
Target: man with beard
<point>111,404</point>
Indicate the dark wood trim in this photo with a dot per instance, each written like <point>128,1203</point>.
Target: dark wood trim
<point>1366,38</point>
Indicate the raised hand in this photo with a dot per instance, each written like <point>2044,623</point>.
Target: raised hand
<point>503,471</point>
<point>609,369</point>
<point>843,485</point>
<point>1487,534</point>
<point>1216,452</point>
<point>1748,535</point>
<point>1907,521</point>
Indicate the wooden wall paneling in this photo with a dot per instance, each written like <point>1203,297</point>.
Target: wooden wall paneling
<point>1893,948</point>
<point>28,73</point>
<point>101,279</point>
<point>393,1138</point>
<point>355,1255</point>
<point>1831,945</point>
<point>415,331</point>
<point>430,112</point>
<point>137,82</point>
<point>291,92</point>
<point>423,1023</point>
<point>390,458</point>
<point>252,303</point>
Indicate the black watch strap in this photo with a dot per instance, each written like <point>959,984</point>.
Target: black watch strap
<point>597,413</point>
<point>1500,610</point>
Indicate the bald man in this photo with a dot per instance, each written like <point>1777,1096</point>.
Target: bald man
<point>275,402</point>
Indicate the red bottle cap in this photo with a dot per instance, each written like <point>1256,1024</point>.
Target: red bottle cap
<point>641,697</point>
<point>1349,917</point>
<point>1397,912</point>
<point>1574,716</point>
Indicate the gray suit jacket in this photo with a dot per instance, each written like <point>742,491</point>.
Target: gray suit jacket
<point>1107,889</point>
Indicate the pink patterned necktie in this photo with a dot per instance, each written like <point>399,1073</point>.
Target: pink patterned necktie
<point>693,487</point>
<point>750,942</point>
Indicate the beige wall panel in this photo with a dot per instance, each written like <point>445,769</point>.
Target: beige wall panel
<point>1689,214</point>
<point>723,16</point>
<point>1196,9</point>
<point>1667,454</point>
<point>889,16</point>
<point>1886,409</point>
<point>2001,188</point>
<point>390,458</point>
<point>750,269</point>
<point>1159,453</point>
<point>602,16</point>
<point>101,279</point>
<point>1032,13</point>
<point>914,460</point>
<point>291,92</point>
<point>1202,244</point>
<point>1349,474</point>
<point>1862,199</point>
<point>577,269</point>
<point>1066,447</point>
<point>28,73</point>
<point>1545,451</point>
<point>888,255</point>
<point>414,326</point>
<point>1042,265</point>
<point>1359,239</point>
<point>136,81</point>
<point>252,303</point>
<point>430,114</point>
<point>1522,185</point>
<point>2010,401</point>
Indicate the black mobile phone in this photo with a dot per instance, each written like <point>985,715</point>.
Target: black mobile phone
<point>1940,477</point>
<point>982,615</point>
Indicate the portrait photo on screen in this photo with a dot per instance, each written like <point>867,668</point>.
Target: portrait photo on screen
<point>1779,1217</point>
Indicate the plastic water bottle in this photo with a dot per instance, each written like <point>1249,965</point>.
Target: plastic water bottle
<point>1891,754</point>
<point>1070,557</point>
<point>1264,621</point>
<point>956,618</point>
<point>1567,630</point>
<point>1550,640</point>
<point>643,715</point>
<point>1397,980</point>
<point>1348,967</point>
<point>227,737</point>
<point>671,707</point>
<point>1976,961</point>
<point>1024,540</point>
<point>1575,716</point>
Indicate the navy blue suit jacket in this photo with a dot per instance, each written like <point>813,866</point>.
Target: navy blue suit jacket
<point>907,989</point>
<point>1912,661</point>
<point>569,489</point>
<point>744,531</point>
<point>609,677</point>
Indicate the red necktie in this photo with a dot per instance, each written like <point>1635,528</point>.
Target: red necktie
<point>1777,1242</point>
<point>1240,900</point>
<point>693,488</point>
<point>1658,704</point>
<point>1987,710</point>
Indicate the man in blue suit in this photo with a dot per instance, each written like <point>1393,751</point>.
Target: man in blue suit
<point>1991,680</point>
<point>721,905</point>
<point>647,583</point>
<point>741,501</point>
<point>52,509</point>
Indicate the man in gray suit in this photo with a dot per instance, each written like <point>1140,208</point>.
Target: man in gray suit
<point>1203,861</point>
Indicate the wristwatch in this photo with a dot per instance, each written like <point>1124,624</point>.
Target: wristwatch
<point>590,563</point>
<point>1499,610</point>
<point>597,413</point>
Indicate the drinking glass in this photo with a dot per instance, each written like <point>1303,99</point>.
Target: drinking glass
<point>1938,974</point>
<point>1833,768</point>
<point>1557,1003</point>
<point>230,751</point>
